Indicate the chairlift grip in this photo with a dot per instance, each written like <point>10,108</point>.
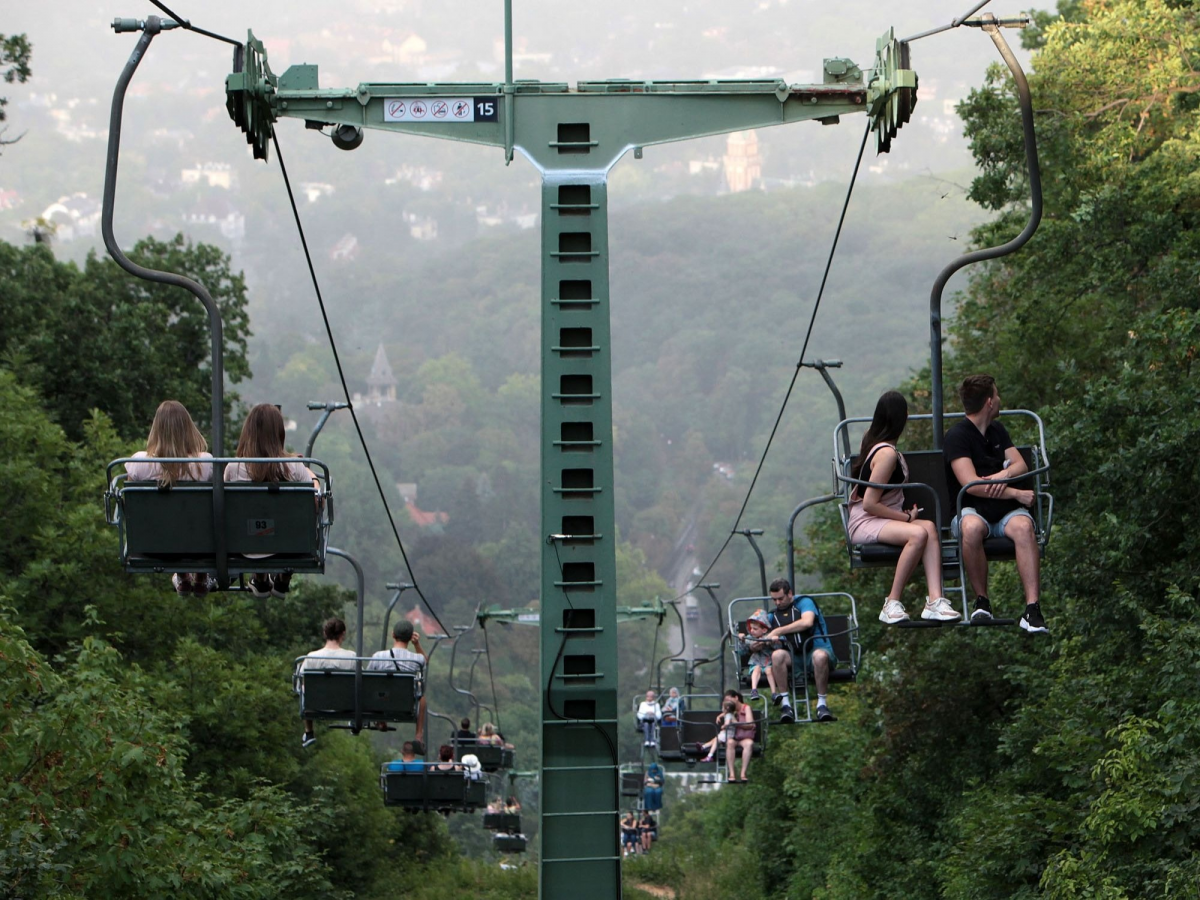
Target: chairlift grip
<point>151,27</point>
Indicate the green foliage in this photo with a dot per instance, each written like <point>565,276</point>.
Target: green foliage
<point>15,51</point>
<point>98,338</point>
<point>993,767</point>
<point>96,802</point>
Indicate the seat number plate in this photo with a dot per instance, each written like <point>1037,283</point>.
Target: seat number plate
<point>260,527</point>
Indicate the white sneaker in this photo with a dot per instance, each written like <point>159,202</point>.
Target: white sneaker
<point>940,610</point>
<point>892,612</point>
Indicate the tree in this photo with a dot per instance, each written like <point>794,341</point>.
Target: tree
<point>15,51</point>
<point>97,803</point>
<point>101,339</point>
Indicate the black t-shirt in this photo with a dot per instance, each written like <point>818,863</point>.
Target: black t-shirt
<point>986,451</point>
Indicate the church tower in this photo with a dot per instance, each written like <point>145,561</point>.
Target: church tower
<point>381,383</point>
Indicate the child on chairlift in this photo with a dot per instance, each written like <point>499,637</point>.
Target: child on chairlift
<point>725,722</point>
<point>760,652</point>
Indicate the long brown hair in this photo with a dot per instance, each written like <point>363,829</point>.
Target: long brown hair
<point>891,415</point>
<point>263,436</point>
<point>173,433</point>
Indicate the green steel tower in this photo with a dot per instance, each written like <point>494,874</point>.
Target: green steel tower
<point>573,136</point>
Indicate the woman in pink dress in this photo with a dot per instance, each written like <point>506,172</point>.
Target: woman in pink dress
<point>878,516</point>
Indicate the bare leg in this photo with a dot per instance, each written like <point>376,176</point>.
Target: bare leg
<point>820,661</point>
<point>914,538</point>
<point>755,677</point>
<point>1020,531</point>
<point>747,750</point>
<point>420,736</point>
<point>781,661</point>
<point>771,680</point>
<point>974,530</point>
<point>932,559</point>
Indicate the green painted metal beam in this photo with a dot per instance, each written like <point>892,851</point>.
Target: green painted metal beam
<point>657,610</point>
<point>573,136</point>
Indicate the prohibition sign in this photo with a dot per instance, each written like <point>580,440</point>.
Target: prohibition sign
<point>462,109</point>
<point>440,108</point>
<point>396,109</point>
<point>418,110</point>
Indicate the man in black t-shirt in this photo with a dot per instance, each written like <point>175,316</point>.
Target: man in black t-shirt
<point>978,448</point>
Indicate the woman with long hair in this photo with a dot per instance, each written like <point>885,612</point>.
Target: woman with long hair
<point>174,434</point>
<point>263,436</point>
<point>878,516</point>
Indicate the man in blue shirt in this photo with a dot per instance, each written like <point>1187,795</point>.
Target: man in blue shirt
<point>798,622</point>
<point>408,761</point>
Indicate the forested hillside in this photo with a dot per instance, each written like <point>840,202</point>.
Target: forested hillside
<point>149,744</point>
<point>989,765</point>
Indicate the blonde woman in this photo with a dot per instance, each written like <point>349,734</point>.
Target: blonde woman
<point>174,434</point>
<point>263,436</point>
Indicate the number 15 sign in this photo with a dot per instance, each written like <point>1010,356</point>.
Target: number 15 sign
<point>440,109</point>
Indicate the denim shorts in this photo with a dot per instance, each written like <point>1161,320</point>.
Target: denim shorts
<point>995,529</point>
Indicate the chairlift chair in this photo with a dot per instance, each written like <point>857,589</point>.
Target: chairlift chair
<point>272,527</point>
<point>492,757</point>
<point>842,634</point>
<point>358,698</point>
<point>432,789</point>
<point>927,487</point>
<point>509,843</point>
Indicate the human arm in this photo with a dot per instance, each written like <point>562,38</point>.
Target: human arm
<point>803,623</point>
<point>416,643</point>
<point>964,471</point>
<point>883,464</point>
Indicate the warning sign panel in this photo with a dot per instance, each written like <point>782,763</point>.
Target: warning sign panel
<point>440,109</point>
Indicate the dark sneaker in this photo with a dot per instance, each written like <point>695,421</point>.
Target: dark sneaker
<point>200,585</point>
<point>1032,621</point>
<point>280,585</point>
<point>787,715</point>
<point>308,740</point>
<point>824,715</point>
<point>418,748</point>
<point>983,609</point>
<point>260,587</point>
<point>754,695</point>
<point>777,698</point>
<point>182,582</point>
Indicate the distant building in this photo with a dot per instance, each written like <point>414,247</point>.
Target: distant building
<point>73,216</point>
<point>381,383</point>
<point>743,164</point>
<point>423,228</point>
<point>423,624</point>
<point>345,249</point>
<point>315,190</point>
<point>216,174</point>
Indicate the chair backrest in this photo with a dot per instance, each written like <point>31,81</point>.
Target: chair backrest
<point>491,757</point>
<point>433,789</point>
<point>259,518</point>
<point>508,843</point>
<point>384,696</point>
<point>841,642</point>
<point>631,784</point>
<point>502,821</point>
<point>929,467</point>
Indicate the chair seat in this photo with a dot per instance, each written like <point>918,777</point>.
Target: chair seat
<point>888,554</point>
